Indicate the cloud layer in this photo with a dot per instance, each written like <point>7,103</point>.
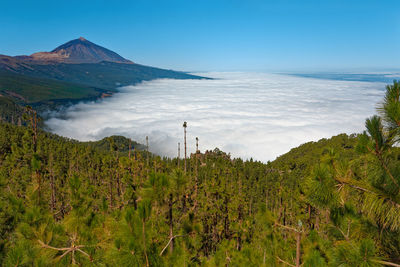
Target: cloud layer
<point>247,114</point>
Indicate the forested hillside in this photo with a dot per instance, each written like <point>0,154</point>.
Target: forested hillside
<point>30,90</point>
<point>334,202</point>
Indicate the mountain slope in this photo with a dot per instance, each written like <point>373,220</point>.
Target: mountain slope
<point>28,90</point>
<point>104,75</point>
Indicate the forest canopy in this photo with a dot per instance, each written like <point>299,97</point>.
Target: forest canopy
<point>335,202</point>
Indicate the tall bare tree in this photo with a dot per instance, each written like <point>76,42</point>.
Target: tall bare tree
<point>197,171</point>
<point>52,185</point>
<point>130,148</point>
<point>184,134</point>
<point>147,149</point>
<point>179,153</point>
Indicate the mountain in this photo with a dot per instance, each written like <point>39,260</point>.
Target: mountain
<point>77,70</point>
<point>74,52</point>
<point>83,51</point>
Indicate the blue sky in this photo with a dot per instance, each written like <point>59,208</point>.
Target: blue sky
<point>203,35</point>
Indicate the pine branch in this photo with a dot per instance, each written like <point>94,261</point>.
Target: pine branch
<point>285,262</point>
<point>65,253</point>
<point>288,228</point>
<point>72,249</point>
<point>367,191</point>
<point>169,242</point>
<point>386,263</point>
<point>388,171</point>
<point>50,247</point>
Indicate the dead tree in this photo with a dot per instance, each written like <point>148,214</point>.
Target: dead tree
<point>184,138</point>
<point>179,154</point>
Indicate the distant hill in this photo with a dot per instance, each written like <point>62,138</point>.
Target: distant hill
<point>77,70</point>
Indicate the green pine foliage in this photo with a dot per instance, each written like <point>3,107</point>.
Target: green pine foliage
<point>335,202</point>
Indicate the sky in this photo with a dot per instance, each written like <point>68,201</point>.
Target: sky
<point>215,35</point>
<point>247,114</point>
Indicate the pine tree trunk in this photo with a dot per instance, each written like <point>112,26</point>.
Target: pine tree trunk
<point>184,129</point>
<point>179,154</point>
<point>298,240</point>
<point>317,220</point>
<point>39,180</point>
<point>111,192</point>
<point>147,150</point>
<point>226,220</point>
<point>53,193</point>
<point>144,243</point>
<point>118,177</point>
<point>240,216</point>
<point>35,133</point>
<point>196,185</point>
<point>171,229</point>
<point>130,146</point>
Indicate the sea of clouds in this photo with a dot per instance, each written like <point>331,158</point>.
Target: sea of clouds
<point>254,115</point>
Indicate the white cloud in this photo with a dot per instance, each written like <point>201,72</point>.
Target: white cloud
<point>247,114</point>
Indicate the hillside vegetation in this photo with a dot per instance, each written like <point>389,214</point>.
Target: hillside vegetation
<point>28,90</point>
<point>104,75</point>
<point>10,111</point>
<point>335,202</point>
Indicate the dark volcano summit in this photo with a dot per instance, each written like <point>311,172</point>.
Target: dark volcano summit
<point>83,51</point>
